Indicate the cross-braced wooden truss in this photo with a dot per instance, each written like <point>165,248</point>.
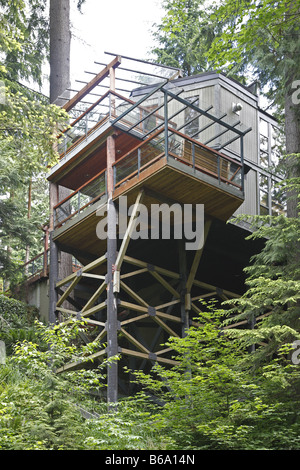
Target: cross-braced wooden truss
<point>137,321</point>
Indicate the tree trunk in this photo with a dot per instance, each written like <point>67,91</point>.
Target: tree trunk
<point>292,135</point>
<point>27,254</point>
<point>60,47</point>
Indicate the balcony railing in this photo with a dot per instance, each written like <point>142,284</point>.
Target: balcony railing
<point>91,192</point>
<point>174,146</point>
<point>110,107</point>
<point>37,265</point>
<point>178,147</point>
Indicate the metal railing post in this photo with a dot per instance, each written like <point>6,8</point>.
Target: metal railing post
<point>242,162</point>
<point>139,161</point>
<point>86,125</point>
<point>65,145</point>
<point>193,156</point>
<point>166,123</point>
<point>109,104</point>
<point>114,176</point>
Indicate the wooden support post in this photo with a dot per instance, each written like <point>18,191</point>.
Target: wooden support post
<point>112,321</point>
<point>68,290</point>
<point>197,258</point>
<point>53,275</point>
<point>111,157</point>
<point>46,247</point>
<point>112,78</point>
<point>184,312</point>
<point>53,200</point>
<point>129,230</point>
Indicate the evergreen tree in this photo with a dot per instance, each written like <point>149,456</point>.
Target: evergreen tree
<point>184,35</point>
<point>28,125</point>
<point>263,38</point>
<point>273,281</point>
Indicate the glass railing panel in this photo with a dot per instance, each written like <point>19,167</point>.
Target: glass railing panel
<point>84,124</point>
<point>36,265</point>
<point>150,152</point>
<point>176,145</point>
<point>205,160</point>
<point>66,209</point>
<point>125,167</point>
<point>80,200</point>
<point>235,173</point>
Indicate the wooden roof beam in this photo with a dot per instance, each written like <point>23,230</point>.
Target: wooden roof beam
<point>92,84</point>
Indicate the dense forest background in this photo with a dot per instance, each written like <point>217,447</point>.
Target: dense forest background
<point>233,388</point>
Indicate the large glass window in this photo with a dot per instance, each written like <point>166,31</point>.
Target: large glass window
<point>264,194</point>
<point>278,199</point>
<point>264,143</point>
<point>271,201</point>
<point>191,118</point>
<point>276,147</point>
<point>271,197</point>
<point>264,159</point>
<point>270,138</point>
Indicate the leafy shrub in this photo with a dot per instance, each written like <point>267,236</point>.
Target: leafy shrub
<point>16,321</point>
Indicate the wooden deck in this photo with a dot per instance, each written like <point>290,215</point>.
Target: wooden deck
<point>164,181</point>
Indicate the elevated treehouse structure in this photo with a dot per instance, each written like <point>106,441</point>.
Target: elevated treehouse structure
<point>160,145</point>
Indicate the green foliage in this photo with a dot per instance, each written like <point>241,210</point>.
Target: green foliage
<point>261,38</point>
<point>129,427</point>
<point>38,408</point>
<point>43,410</point>
<point>28,125</point>
<point>184,35</point>
<point>34,414</point>
<point>272,299</point>
<point>16,322</point>
<point>212,400</point>
<point>24,38</point>
<point>221,395</point>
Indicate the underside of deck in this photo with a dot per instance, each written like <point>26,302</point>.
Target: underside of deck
<point>164,182</point>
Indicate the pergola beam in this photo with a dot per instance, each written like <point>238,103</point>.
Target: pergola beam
<point>92,84</point>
